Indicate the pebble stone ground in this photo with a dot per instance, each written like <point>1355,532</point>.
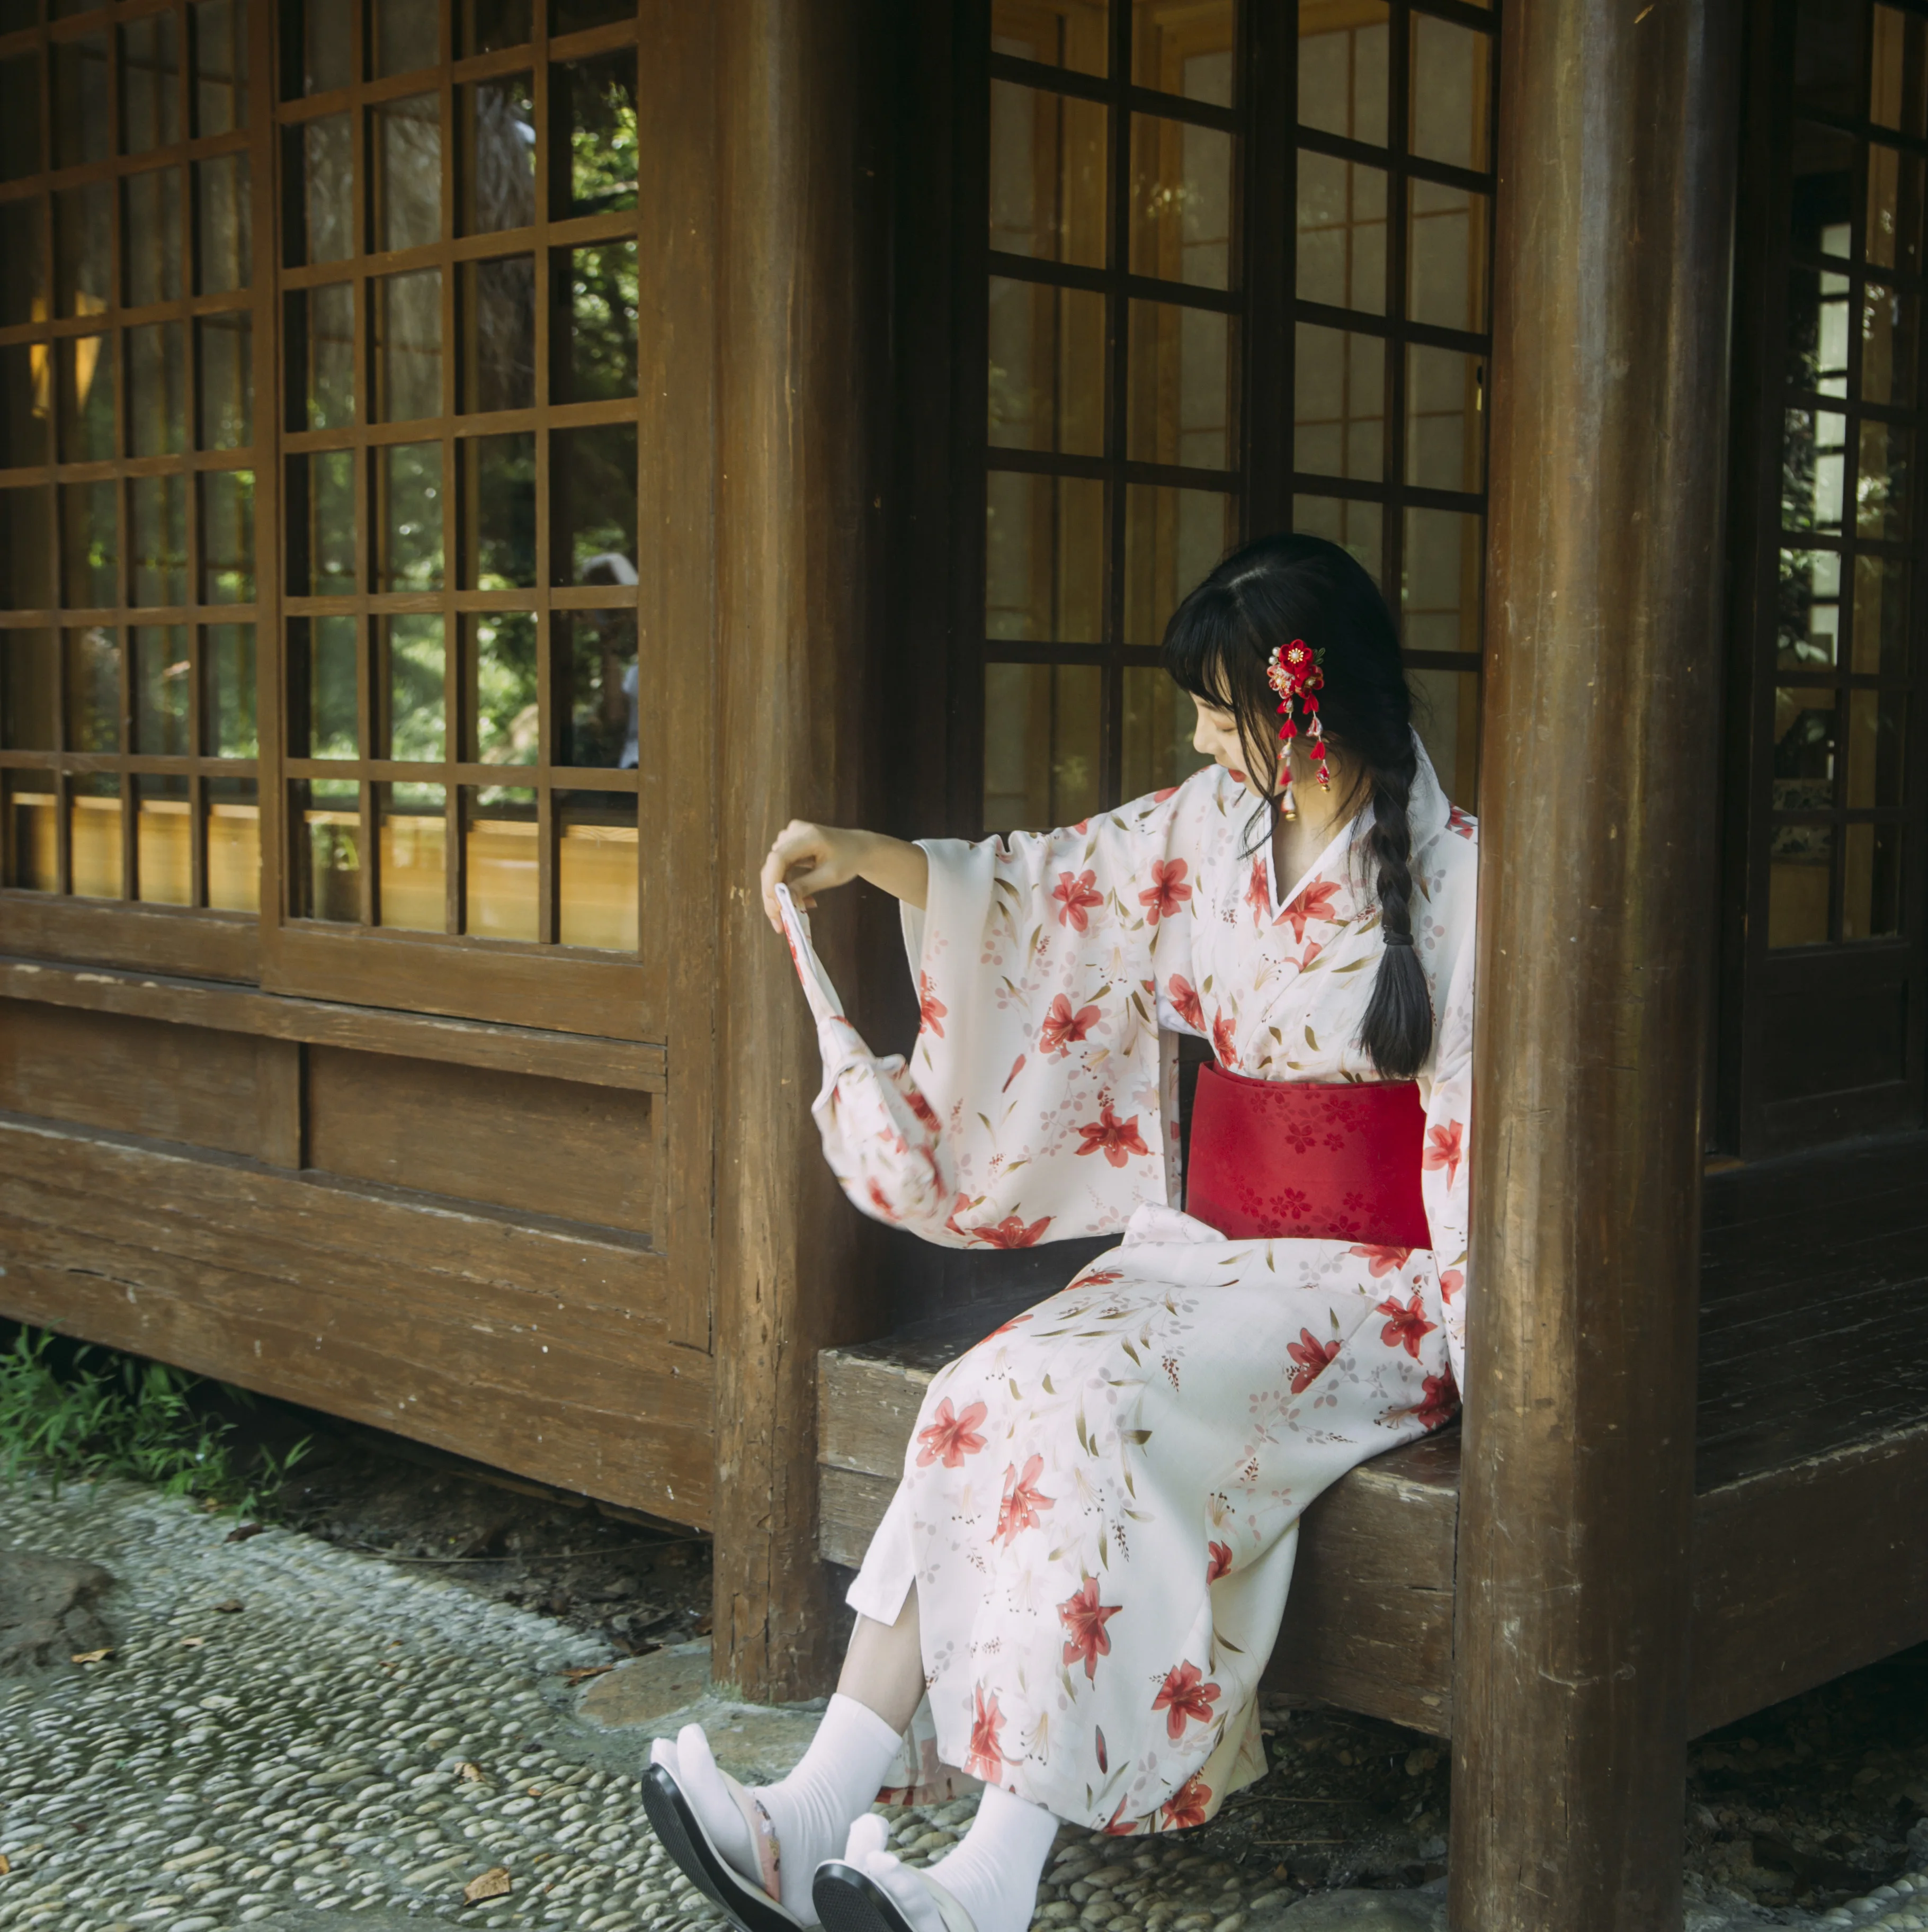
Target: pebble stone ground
<point>355,1744</point>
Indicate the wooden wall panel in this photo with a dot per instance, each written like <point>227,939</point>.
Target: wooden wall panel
<point>518,1142</point>
<point>537,1351</point>
<point>134,1076</point>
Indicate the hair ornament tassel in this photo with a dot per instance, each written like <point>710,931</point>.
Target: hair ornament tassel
<point>1294,671</point>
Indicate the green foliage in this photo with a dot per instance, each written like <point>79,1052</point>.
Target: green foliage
<point>127,1417</point>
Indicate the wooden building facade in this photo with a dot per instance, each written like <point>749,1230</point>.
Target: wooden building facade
<point>471,469</point>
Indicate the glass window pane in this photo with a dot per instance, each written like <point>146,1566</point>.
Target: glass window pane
<point>498,370</point>
<point>411,721</point>
<point>93,688</point>
<point>93,835</point>
<point>1890,338</point>
<point>1342,70</point>
<point>321,560</point>
<point>29,690</point>
<point>1881,489</point>
<point>322,688</point>
<point>158,538</point>
<point>1799,862</point>
<point>1047,368</point>
<point>1189,49</point>
<point>1804,735</point>
<point>1813,470</point>
<point>575,16</point>
<point>1445,423</point>
<point>1444,564</point>
<point>405,36</point>
<point>1446,256</point>
<point>157,389</point>
<point>1172,539</point>
<point>1044,549</point>
<point>82,122</point>
<point>224,203</point>
<point>1183,405</point>
<point>23,288</point>
<point>228,728</point>
<point>1359,528</point>
<point>26,548</point>
<point>1817,330</point>
<point>414,877</point>
<point>227,379</point>
<point>1896,183</point>
<point>1881,615</point>
<point>162,681</point>
<point>408,173</point>
<point>1339,404</point>
<point>1072,34</point>
<point>1181,201</point>
<point>1451,89</point>
<point>1047,166</point>
<point>408,346</point>
<point>1041,725</point>
<point>328,850</point>
<point>151,83</point>
<point>330,355</point>
<point>593,485</point>
<point>328,169</point>
<point>220,65</point>
<point>599,363</point>
<point>151,225</point>
<point>86,364</point>
<point>1808,609</point>
<point>596,870</point>
<point>1445,714</point>
<point>599,703</point>
<point>227,536</point>
<point>497,119</point>
<point>499,512</point>
<point>500,847</point>
<point>328,44</point>
<point>32,838</point>
<point>1821,206</point>
<point>1341,233</point>
<point>1875,747</point>
<point>89,546</point>
<point>1871,881</point>
<point>1159,721</point>
<point>408,518</point>
<point>593,104</point>
<point>83,240</point>
<point>163,840</point>
<point>485,26</point>
<point>1897,96</point>
<point>234,844</point>
<point>20,116</point>
<point>502,722</point>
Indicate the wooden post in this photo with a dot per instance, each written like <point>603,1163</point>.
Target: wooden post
<point>799,305</point>
<point>1600,803</point>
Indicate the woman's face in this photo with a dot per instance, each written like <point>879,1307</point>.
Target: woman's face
<point>1216,737</point>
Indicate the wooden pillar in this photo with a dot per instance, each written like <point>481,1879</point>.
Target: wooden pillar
<point>1599,805</point>
<point>801,307</point>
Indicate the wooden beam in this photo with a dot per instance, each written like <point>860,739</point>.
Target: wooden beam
<point>1599,806</point>
<point>799,374</point>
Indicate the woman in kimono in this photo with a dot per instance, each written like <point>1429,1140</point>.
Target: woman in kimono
<point>1084,1566</point>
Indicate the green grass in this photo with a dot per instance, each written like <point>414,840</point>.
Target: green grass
<point>75,1414</point>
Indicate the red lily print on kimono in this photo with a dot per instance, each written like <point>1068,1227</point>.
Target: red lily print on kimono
<point>1075,897</point>
<point>1186,1806</point>
<point>1022,1503</point>
<point>1315,900</point>
<point>1406,1327</point>
<point>1258,891</point>
<point>1063,1029</point>
<point>931,1009</point>
<point>1167,891</point>
<point>1183,1696</point>
<point>1222,1044</point>
<point>1384,1261</point>
<point>1084,1618</point>
<point>1443,1149</point>
<point>1452,1280</point>
<point>950,1437</point>
<point>1013,1232</point>
<point>1185,1001</point>
<point>987,1759</point>
<point>1111,1137</point>
<point>1217,1562</point>
<point>1458,821</point>
<point>1311,1355</point>
<point>1437,1402</point>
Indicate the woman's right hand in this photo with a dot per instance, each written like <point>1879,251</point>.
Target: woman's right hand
<point>812,859</point>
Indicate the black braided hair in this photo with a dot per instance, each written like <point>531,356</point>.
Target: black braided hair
<point>1217,647</point>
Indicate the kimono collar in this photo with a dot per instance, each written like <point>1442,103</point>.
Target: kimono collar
<point>1427,809</point>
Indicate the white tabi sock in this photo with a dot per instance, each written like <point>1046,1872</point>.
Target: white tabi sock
<point>810,1810</point>
<point>993,1874</point>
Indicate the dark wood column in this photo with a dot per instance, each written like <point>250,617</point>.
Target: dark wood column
<point>801,312</point>
<point>1599,805</point>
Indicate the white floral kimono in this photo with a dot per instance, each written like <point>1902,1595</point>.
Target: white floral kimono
<point>1100,1504</point>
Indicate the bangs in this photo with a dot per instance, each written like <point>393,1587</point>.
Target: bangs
<point>1203,641</point>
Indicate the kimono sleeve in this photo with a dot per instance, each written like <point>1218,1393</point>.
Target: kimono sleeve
<point>1036,959</point>
<point>1445,1178</point>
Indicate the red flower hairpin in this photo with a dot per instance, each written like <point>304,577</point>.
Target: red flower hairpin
<point>1293,672</point>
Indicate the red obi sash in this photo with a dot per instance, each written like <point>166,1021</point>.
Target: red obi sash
<point>1327,1159</point>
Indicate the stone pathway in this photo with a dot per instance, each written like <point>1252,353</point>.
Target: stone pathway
<point>291,1736</point>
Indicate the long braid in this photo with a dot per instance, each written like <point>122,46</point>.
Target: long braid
<point>1397,1030</point>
